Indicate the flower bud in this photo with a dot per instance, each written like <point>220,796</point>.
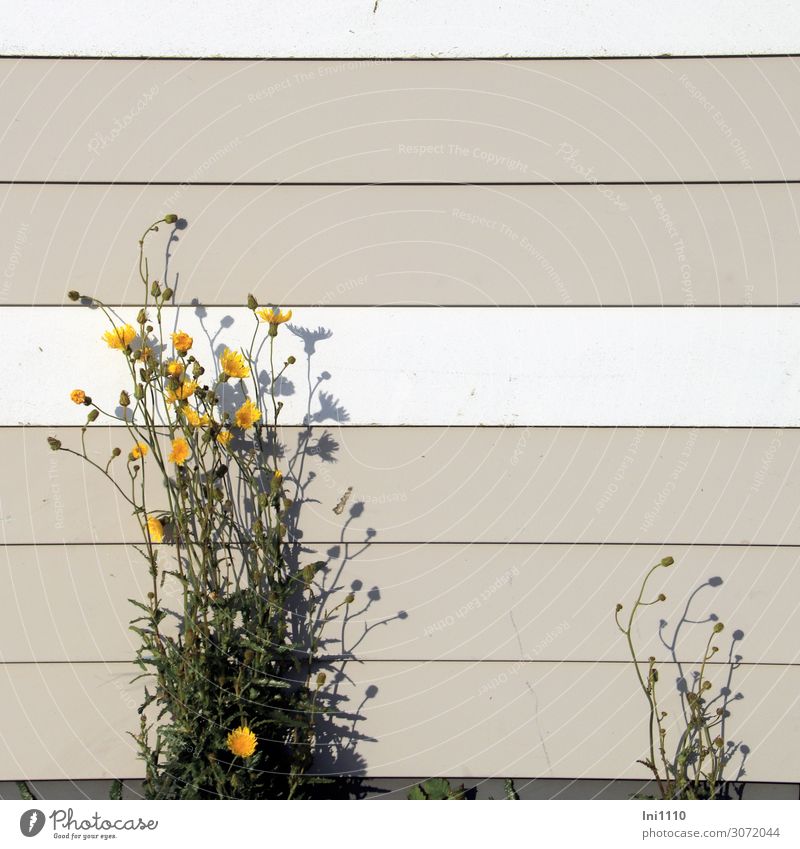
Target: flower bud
<point>155,289</point>
<point>249,655</point>
<point>221,471</point>
<point>252,303</point>
<point>73,295</point>
<point>619,607</point>
<point>141,318</point>
<point>170,218</point>
<point>124,398</point>
<point>115,452</point>
<point>93,414</point>
<point>667,561</point>
<point>662,597</point>
<point>138,392</point>
<point>291,360</point>
<point>349,598</point>
<point>55,444</point>
<point>167,294</point>
<point>321,679</point>
<point>718,627</point>
<point>706,685</point>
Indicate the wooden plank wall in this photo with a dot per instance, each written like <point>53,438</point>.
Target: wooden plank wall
<point>563,346</point>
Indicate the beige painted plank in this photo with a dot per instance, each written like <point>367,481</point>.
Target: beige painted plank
<point>572,720</point>
<point>455,245</point>
<point>442,602</point>
<point>602,120</point>
<point>433,484</point>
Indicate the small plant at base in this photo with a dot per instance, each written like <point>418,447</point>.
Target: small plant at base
<point>695,771</point>
<point>437,789</point>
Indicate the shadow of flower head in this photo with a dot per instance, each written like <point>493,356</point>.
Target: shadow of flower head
<point>310,337</point>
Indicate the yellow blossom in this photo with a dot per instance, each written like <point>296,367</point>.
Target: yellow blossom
<point>242,742</point>
<point>119,337</point>
<point>175,368</point>
<point>233,364</point>
<point>180,451</point>
<point>247,415</point>
<point>182,341</point>
<point>224,437</point>
<point>155,529</point>
<point>182,392</point>
<point>194,418</point>
<point>78,396</point>
<point>138,451</point>
<point>274,315</point>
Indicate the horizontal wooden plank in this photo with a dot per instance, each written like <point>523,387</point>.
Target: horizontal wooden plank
<point>455,366</point>
<point>462,485</point>
<point>568,720</point>
<point>441,602</point>
<point>350,28</point>
<point>515,121</point>
<point>383,245</point>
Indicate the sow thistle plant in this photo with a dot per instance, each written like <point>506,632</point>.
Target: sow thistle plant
<point>694,768</point>
<point>232,697</point>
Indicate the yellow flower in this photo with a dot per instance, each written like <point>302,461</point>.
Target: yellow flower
<point>232,363</point>
<point>194,418</point>
<point>138,451</point>
<point>242,742</point>
<point>180,451</point>
<point>182,392</point>
<point>224,437</point>
<point>274,316</point>
<point>247,415</point>
<point>155,529</point>
<point>78,396</point>
<point>182,341</point>
<point>119,337</point>
<point>175,368</point>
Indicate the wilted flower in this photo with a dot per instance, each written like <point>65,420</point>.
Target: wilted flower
<point>224,437</point>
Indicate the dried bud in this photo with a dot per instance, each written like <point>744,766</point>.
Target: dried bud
<point>73,295</point>
<point>321,679</point>
<point>115,452</point>
<point>55,444</point>
<point>138,392</point>
<point>667,561</point>
<point>662,597</point>
<point>151,595</point>
<point>141,318</point>
<point>719,742</point>
<point>706,685</point>
<point>654,675</point>
<point>718,627</point>
<point>221,471</point>
<point>124,398</point>
<point>171,218</point>
<point>619,607</point>
<point>252,303</point>
<point>197,370</point>
<point>291,360</point>
<point>93,414</point>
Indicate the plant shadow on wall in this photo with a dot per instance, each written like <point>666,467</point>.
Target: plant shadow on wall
<point>698,763</point>
<point>243,693</point>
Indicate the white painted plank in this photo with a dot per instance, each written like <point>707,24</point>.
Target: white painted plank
<point>388,28</point>
<point>456,366</point>
<point>548,720</point>
<point>440,602</point>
